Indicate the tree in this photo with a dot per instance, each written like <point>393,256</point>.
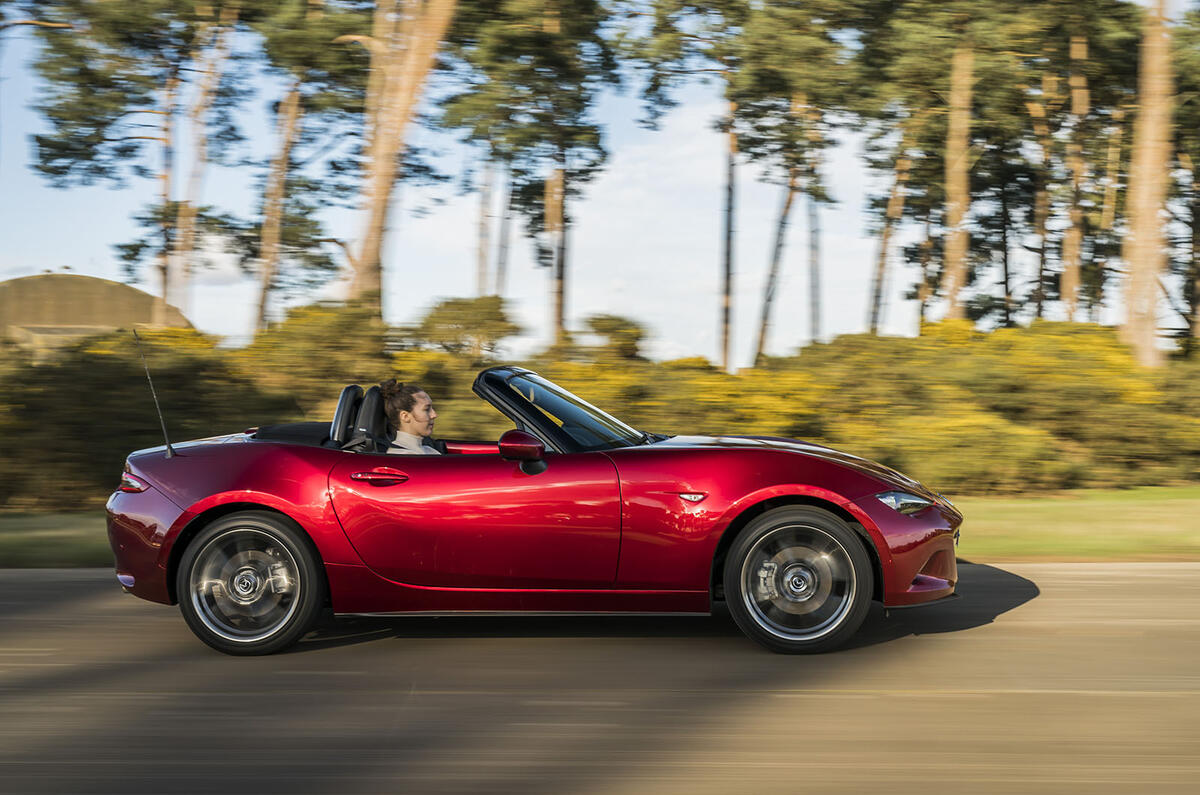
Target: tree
<point>1143,250</point>
<point>322,103</point>
<point>1186,248</point>
<point>6,23</point>
<point>1077,78</point>
<point>463,325</point>
<point>122,64</point>
<point>623,336</point>
<point>212,53</point>
<point>793,76</point>
<point>686,40</point>
<point>529,72</point>
<point>404,41</point>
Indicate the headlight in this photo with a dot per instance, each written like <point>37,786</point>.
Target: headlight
<point>903,502</point>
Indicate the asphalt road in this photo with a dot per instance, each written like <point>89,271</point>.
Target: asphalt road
<point>1044,678</point>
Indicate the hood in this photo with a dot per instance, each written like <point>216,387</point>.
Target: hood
<point>866,466</point>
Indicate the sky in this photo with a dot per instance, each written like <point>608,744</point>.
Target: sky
<point>646,242</point>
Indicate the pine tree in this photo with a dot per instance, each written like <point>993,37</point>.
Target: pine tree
<point>325,84</point>
<point>403,44</point>
<point>685,41</point>
<point>1185,250</point>
<point>113,88</point>
<point>528,75</point>
<point>793,77</point>
<point>1143,249</point>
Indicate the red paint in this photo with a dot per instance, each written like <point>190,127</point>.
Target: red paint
<point>479,521</point>
<point>521,446</point>
<point>471,448</point>
<point>473,531</point>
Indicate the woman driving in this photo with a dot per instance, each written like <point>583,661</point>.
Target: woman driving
<point>410,416</point>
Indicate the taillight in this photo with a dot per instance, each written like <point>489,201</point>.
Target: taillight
<point>132,484</point>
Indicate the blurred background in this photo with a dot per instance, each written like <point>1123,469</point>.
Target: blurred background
<point>962,238</point>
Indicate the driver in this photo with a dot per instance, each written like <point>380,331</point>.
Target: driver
<point>410,416</point>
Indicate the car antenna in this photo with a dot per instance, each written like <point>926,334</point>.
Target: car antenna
<point>153,394</point>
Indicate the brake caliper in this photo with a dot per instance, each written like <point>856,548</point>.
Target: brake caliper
<point>766,580</point>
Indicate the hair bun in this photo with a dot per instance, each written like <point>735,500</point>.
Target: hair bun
<point>391,388</point>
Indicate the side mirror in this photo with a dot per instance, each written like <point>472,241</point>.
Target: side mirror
<point>524,447</point>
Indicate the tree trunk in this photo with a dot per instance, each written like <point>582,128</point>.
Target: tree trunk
<point>1194,270</point>
<point>273,200</point>
<point>1112,173</point>
<point>1143,246</point>
<point>405,38</point>
<point>923,262</point>
<point>1041,202</point>
<point>215,42</point>
<point>895,208</point>
<point>957,189</point>
<point>1041,211</point>
<point>1073,240</point>
<point>814,269</point>
<point>773,270</point>
<point>727,253</point>
<point>170,89</point>
<point>483,250</point>
<point>502,244</point>
<point>556,225</point>
<point>1004,220</point>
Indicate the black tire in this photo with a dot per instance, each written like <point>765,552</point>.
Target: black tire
<point>250,583</point>
<point>798,580</point>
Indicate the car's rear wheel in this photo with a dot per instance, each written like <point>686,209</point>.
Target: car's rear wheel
<point>798,580</point>
<point>250,583</point>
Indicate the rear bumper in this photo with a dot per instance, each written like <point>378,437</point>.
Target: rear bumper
<point>918,563</point>
<point>137,525</point>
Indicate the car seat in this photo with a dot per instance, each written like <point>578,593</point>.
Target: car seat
<point>345,415</point>
<point>369,432</point>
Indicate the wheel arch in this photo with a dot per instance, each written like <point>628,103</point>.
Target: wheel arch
<point>207,517</point>
<point>715,587</point>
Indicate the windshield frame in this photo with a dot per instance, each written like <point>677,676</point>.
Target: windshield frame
<point>493,386</point>
<point>570,418</point>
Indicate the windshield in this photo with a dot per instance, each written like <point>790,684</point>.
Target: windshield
<point>586,425</point>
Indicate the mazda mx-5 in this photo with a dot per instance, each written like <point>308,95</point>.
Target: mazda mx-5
<point>254,534</point>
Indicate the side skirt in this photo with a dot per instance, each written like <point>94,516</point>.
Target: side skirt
<point>513,613</point>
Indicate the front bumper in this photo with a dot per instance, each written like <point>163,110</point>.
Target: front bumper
<point>918,558</point>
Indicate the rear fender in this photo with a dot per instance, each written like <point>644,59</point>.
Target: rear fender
<point>317,521</point>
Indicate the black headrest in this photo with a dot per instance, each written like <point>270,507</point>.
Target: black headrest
<point>345,414</point>
<point>371,421</point>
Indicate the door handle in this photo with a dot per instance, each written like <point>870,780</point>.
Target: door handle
<point>380,476</point>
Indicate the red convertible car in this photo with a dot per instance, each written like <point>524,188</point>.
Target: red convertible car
<point>573,511</point>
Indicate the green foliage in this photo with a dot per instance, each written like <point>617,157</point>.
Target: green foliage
<point>313,353</point>
<point>102,79</point>
<point>528,75</point>
<point>623,337</point>
<point>1053,406</point>
<point>794,73</point>
<point>81,414</point>
<point>472,326</point>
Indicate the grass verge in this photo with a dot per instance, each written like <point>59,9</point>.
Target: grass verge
<point>54,540</point>
<point>1152,523</point>
<point>1130,524</point>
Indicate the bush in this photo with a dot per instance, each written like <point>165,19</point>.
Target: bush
<point>1054,406</point>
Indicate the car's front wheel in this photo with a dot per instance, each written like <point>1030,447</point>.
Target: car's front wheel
<point>249,583</point>
<point>798,580</point>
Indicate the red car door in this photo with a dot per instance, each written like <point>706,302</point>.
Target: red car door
<point>479,521</point>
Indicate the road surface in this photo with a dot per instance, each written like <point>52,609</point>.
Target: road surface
<point>1042,678</point>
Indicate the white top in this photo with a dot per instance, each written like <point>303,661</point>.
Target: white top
<point>410,444</point>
